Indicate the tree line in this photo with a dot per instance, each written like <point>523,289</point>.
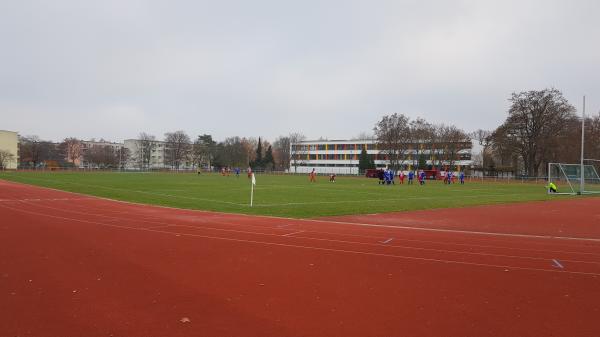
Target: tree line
<point>205,152</point>
<point>541,127</point>
<point>179,151</point>
<point>404,142</point>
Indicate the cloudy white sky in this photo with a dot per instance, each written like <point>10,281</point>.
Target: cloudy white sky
<point>115,68</point>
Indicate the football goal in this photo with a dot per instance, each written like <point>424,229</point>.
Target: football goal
<point>568,177</point>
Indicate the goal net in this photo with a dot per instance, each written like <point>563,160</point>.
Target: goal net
<point>567,177</point>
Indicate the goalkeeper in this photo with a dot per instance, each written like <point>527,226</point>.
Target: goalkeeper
<point>552,187</point>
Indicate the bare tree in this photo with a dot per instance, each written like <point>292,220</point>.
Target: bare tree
<point>298,153</point>
<point>534,119</point>
<point>72,149</point>
<point>421,133</point>
<point>204,150</point>
<point>123,155</point>
<point>393,138</point>
<point>101,156</point>
<point>35,151</point>
<point>281,152</point>
<point>5,159</point>
<point>455,140</point>
<point>484,138</point>
<point>504,149</point>
<point>232,152</point>
<point>146,144</point>
<point>177,148</point>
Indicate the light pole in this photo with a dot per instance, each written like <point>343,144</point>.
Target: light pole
<point>581,182</point>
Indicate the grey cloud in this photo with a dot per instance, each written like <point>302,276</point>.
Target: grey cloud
<point>325,68</point>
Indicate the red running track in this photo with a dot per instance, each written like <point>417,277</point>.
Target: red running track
<point>74,265</point>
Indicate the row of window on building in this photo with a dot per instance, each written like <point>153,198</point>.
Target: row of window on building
<point>329,156</point>
<point>356,147</point>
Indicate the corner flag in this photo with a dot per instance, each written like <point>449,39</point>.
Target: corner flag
<point>252,189</point>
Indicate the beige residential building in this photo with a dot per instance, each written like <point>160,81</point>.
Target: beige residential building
<point>9,141</point>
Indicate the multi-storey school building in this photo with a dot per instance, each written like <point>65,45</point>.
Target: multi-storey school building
<point>341,156</point>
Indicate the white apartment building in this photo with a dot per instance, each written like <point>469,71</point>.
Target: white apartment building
<point>9,142</point>
<point>136,147</point>
<point>89,144</point>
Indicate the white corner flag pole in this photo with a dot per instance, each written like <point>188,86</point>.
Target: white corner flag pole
<point>252,189</point>
<point>581,182</point>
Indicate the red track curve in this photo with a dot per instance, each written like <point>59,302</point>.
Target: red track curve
<point>73,265</point>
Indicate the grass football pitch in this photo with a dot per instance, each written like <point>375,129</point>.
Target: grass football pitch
<point>280,195</point>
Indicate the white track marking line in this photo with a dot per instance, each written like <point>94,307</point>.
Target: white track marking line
<point>317,248</point>
<point>388,240</point>
<point>166,224</point>
<point>443,230</point>
<point>158,227</point>
<point>228,215</point>
<point>504,267</point>
<point>557,264</point>
<point>290,234</point>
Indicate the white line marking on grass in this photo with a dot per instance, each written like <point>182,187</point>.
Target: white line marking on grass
<point>266,243</point>
<point>557,264</point>
<point>290,234</point>
<point>380,200</point>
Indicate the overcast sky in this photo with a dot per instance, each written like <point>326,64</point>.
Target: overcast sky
<point>330,69</point>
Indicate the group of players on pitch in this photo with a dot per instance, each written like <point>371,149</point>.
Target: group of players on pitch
<point>387,177</point>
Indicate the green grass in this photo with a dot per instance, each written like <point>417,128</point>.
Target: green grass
<point>289,196</point>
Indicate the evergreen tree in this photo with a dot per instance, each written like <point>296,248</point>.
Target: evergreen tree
<point>364,162</point>
<point>269,162</point>
<point>258,161</point>
<point>422,162</point>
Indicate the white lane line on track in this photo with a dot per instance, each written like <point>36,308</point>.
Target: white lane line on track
<point>557,264</point>
<point>44,199</point>
<point>387,241</point>
<point>503,267</point>
<point>294,233</point>
<point>444,230</point>
<point>158,227</point>
<point>228,215</point>
<point>166,224</point>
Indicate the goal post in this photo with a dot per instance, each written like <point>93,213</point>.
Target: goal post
<point>570,179</point>
<point>591,181</point>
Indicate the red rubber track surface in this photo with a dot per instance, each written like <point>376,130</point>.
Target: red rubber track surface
<point>74,265</point>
